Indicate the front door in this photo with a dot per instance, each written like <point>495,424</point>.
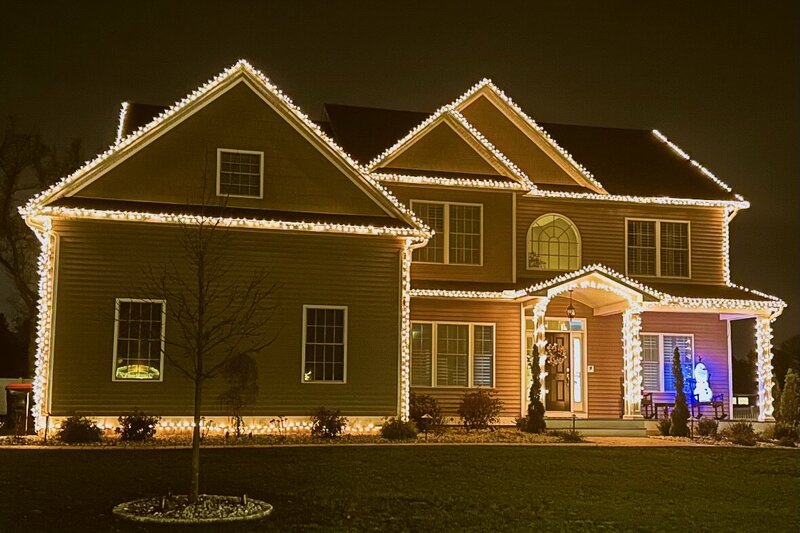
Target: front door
<point>557,381</point>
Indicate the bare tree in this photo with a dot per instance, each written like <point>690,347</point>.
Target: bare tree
<point>219,316</point>
<point>27,165</point>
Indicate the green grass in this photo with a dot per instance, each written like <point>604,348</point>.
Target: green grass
<point>433,488</point>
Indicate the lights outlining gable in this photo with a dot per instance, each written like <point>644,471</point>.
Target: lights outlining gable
<point>123,113</point>
<point>241,67</point>
<point>448,182</point>
<point>652,200</point>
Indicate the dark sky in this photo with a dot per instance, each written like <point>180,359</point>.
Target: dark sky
<point>719,78</point>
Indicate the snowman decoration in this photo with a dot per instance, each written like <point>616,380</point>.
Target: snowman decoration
<point>702,391</point>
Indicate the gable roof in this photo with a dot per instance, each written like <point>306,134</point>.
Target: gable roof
<point>129,139</point>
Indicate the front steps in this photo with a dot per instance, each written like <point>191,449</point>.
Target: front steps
<point>600,427</point>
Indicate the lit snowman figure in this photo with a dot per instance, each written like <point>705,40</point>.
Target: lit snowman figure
<point>702,390</point>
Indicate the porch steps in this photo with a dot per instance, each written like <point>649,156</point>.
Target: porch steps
<point>601,428</point>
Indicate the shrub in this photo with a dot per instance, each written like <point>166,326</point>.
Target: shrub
<point>789,413</point>
<point>785,434</point>
<point>707,427</point>
<point>741,433</point>
<point>534,421</point>
<point>137,426</point>
<point>326,423</point>
<point>567,436</point>
<point>479,409</point>
<point>397,429</point>
<point>664,426</point>
<point>680,414</point>
<point>79,429</point>
<point>424,404</point>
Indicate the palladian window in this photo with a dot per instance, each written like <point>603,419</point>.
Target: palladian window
<point>553,244</point>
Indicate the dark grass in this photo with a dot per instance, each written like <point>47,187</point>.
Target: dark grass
<point>433,488</point>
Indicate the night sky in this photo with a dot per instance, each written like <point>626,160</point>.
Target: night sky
<point>720,79</point>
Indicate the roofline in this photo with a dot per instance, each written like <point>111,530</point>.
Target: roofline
<point>240,67</point>
<point>57,212</point>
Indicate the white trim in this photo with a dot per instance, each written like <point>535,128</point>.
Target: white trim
<point>661,356</point>
<point>446,232</point>
<point>54,307</point>
<point>528,244</point>
<point>470,353</point>
<point>162,352</point>
<point>220,151</point>
<point>658,222</point>
<point>730,370</point>
<point>343,381</point>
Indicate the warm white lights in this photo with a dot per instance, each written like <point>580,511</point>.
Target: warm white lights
<point>764,368</point>
<point>632,363</point>
<point>123,113</point>
<point>449,182</point>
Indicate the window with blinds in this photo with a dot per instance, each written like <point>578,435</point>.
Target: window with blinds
<point>657,353</point>
<point>458,228</point>
<point>658,248</point>
<point>452,355</point>
<point>421,355</point>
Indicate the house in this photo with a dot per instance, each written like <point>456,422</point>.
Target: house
<point>430,253</point>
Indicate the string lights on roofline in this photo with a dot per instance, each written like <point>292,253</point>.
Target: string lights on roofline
<point>681,153</point>
<point>123,113</point>
<point>448,182</point>
<point>215,82</point>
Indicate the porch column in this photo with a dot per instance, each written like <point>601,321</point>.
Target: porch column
<point>764,367</point>
<point>540,340</point>
<point>632,363</point>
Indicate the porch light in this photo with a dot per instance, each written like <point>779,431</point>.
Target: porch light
<point>570,308</point>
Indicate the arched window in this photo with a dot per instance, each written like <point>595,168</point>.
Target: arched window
<point>553,244</point>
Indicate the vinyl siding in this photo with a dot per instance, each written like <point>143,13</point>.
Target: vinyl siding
<point>181,165</point>
<point>498,233</point>
<point>508,349</point>
<point>602,229</point>
<point>100,260</point>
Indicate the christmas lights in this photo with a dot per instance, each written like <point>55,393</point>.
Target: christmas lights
<point>651,200</point>
<point>242,67</point>
<point>540,340</point>
<point>448,182</point>
<point>123,113</point>
<point>632,363</point>
<point>764,368</point>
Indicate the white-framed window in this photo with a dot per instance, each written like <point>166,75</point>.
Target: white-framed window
<point>658,350</point>
<point>452,354</point>
<point>553,243</point>
<point>240,173</point>
<point>324,344</point>
<point>458,228</point>
<point>658,248</point>
<point>139,333</point>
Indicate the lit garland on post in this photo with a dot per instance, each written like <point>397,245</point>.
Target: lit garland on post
<point>405,326</point>
<point>540,339</point>
<point>764,368</point>
<point>632,361</point>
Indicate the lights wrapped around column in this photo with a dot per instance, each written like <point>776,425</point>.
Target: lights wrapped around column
<point>764,368</point>
<point>632,360</point>
<point>405,329</point>
<point>540,340</point>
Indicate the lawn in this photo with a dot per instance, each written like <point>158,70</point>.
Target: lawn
<point>423,488</point>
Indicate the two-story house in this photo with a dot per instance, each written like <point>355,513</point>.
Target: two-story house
<point>432,253</point>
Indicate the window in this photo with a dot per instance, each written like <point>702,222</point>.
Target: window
<point>553,244</point>
<point>658,248</point>
<point>459,233</point>
<point>324,343</point>
<point>240,173</point>
<point>657,353</point>
<point>138,339</point>
<point>452,354</point>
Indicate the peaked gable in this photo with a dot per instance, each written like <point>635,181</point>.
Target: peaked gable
<point>315,174</point>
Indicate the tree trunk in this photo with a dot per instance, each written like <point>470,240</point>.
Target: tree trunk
<point>194,491</point>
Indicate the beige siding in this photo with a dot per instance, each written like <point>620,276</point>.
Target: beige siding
<point>602,229</point>
<point>498,233</point>
<point>710,343</point>
<point>181,165</point>
<point>604,352</point>
<point>508,349</point>
<point>99,261</point>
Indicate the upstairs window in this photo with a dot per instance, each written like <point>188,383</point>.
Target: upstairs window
<point>553,244</point>
<point>459,233</point>
<point>658,248</point>
<point>139,339</point>
<point>240,173</point>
